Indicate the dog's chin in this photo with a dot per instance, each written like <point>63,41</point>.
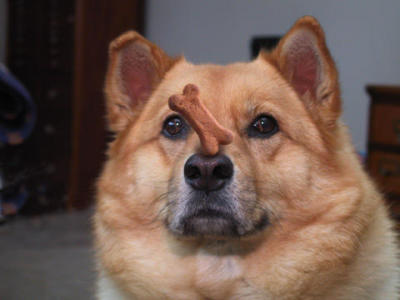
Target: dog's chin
<point>216,225</point>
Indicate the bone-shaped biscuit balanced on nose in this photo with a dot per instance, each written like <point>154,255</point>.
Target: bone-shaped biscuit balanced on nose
<point>210,132</point>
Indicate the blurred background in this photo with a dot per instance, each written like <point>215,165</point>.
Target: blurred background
<point>53,56</point>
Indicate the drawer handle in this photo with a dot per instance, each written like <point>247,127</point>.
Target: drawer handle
<point>389,168</point>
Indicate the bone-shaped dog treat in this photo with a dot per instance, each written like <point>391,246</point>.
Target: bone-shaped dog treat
<point>210,132</point>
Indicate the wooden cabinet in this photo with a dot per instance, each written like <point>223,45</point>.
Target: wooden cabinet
<point>384,142</point>
<point>58,49</point>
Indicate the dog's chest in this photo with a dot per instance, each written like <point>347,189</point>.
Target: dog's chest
<point>217,277</point>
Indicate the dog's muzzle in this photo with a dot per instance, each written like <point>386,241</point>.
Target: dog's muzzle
<point>208,210</point>
<point>208,204</point>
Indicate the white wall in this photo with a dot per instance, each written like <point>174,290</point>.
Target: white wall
<point>363,35</point>
<point>3,29</point>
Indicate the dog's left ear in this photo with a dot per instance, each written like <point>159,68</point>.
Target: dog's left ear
<point>304,60</point>
<point>136,67</point>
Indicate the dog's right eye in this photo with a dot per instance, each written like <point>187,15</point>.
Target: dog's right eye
<point>174,127</point>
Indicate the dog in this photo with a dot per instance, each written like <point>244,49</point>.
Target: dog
<point>280,210</point>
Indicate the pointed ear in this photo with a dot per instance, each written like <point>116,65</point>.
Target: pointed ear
<point>304,60</point>
<point>136,66</point>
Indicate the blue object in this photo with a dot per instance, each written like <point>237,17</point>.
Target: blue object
<point>17,109</point>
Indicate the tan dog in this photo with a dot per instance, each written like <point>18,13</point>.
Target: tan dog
<point>280,209</point>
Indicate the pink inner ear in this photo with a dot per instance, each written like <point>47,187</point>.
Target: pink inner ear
<point>303,64</point>
<point>137,71</point>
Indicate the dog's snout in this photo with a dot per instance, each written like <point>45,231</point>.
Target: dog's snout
<point>208,173</point>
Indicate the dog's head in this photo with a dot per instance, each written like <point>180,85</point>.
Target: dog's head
<point>282,109</point>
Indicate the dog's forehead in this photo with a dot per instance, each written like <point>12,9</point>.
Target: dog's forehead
<point>224,85</point>
<point>230,92</point>
<point>220,80</point>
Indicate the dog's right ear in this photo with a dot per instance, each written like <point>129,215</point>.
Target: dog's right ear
<point>136,66</point>
<point>304,60</point>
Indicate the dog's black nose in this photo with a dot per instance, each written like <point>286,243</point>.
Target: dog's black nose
<point>208,173</point>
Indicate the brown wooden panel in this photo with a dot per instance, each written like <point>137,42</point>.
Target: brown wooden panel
<point>384,93</point>
<point>385,168</point>
<point>385,124</point>
<point>97,23</point>
<point>39,33</point>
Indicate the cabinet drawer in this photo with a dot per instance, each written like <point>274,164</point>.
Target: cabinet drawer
<point>385,124</point>
<point>385,169</point>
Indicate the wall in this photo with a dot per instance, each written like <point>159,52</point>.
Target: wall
<point>3,29</point>
<point>363,36</point>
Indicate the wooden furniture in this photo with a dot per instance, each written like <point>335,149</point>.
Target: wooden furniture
<point>58,49</point>
<point>384,142</point>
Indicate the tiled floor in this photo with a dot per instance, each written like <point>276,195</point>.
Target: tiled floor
<point>47,257</point>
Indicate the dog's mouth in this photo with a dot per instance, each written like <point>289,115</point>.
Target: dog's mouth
<point>216,217</point>
<point>210,213</point>
<point>207,221</point>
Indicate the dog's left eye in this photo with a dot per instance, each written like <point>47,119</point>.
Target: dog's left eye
<point>174,127</point>
<point>263,126</point>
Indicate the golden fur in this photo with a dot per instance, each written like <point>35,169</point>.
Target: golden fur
<point>329,235</point>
